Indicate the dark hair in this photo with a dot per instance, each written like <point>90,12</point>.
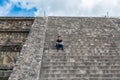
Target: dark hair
<point>59,36</point>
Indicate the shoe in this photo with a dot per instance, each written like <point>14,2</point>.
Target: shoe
<point>62,49</point>
<point>57,50</point>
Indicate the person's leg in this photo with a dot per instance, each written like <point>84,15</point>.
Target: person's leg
<point>62,46</point>
<point>57,46</point>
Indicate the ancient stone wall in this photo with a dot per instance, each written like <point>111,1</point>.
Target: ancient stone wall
<point>13,33</point>
<point>12,37</point>
<point>92,50</point>
<point>15,23</point>
<point>29,61</point>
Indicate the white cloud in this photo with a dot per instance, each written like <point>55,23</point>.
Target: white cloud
<point>5,9</point>
<point>71,7</point>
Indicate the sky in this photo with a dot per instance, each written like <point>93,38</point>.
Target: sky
<point>95,8</point>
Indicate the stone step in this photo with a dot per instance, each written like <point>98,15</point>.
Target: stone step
<point>80,55</point>
<point>63,53</point>
<point>104,65</point>
<point>80,63</point>
<point>72,61</point>
<point>80,71</point>
<point>83,58</point>
<point>86,67</point>
<point>5,73</point>
<point>54,50</point>
<point>75,52</point>
<point>82,78</point>
<point>57,55</point>
<point>68,51</point>
<point>13,47</point>
<point>105,70</point>
<point>14,30</point>
<point>49,51</point>
<point>79,75</point>
<point>4,78</point>
<point>79,60</point>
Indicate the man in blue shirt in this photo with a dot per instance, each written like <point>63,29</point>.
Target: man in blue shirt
<point>59,43</point>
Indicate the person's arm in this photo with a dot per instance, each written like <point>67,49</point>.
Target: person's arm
<point>57,41</point>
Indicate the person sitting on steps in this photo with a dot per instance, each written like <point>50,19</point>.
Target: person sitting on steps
<point>59,43</point>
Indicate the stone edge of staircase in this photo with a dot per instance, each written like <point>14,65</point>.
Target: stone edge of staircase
<point>28,64</point>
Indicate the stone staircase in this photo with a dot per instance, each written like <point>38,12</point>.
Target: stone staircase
<point>92,49</point>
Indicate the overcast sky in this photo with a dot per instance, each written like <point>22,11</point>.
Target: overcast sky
<point>60,7</point>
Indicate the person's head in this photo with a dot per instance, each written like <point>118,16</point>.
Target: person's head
<point>59,37</point>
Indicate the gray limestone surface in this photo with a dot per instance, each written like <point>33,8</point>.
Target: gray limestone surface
<point>92,50</point>
<point>28,64</point>
<point>13,33</point>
